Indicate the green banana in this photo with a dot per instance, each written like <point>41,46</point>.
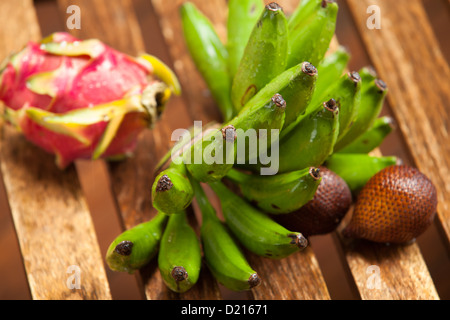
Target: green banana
<point>185,141</point>
<point>135,247</point>
<point>179,257</point>
<point>299,93</point>
<point>357,169</point>
<point>254,229</point>
<point>222,253</point>
<point>263,127</point>
<point>242,17</point>
<point>296,85</point>
<point>310,33</point>
<point>171,191</point>
<point>373,93</point>
<point>346,91</point>
<point>302,11</point>
<point>331,69</point>
<point>264,56</point>
<point>367,75</point>
<point>349,101</point>
<point>311,141</point>
<point>278,194</point>
<point>209,55</point>
<point>212,157</point>
<point>372,138</point>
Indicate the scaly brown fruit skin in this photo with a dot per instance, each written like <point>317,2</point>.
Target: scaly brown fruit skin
<point>325,211</point>
<point>395,206</point>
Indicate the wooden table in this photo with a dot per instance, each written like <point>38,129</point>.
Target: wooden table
<point>58,223</point>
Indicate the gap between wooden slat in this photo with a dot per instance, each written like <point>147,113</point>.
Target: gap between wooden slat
<point>94,179</point>
<point>12,273</point>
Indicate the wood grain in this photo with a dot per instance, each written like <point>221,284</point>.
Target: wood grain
<point>407,55</point>
<point>297,277</point>
<point>51,218</point>
<point>132,179</point>
<point>386,272</point>
<point>400,270</point>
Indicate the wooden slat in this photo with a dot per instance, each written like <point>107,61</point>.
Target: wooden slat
<point>50,214</point>
<point>406,54</point>
<point>401,269</point>
<point>297,277</point>
<point>132,179</point>
<point>283,280</point>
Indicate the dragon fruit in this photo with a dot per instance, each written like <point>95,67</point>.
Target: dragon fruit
<point>83,99</point>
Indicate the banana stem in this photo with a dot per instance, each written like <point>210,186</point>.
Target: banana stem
<point>236,176</point>
<point>207,210</point>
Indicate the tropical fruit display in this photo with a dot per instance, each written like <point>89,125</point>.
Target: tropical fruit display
<point>291,156</point>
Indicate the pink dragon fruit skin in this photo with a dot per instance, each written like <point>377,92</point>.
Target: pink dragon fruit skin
<point>83,99</point>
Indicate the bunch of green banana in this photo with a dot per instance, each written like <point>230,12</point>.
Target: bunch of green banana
<point>282,93</point>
